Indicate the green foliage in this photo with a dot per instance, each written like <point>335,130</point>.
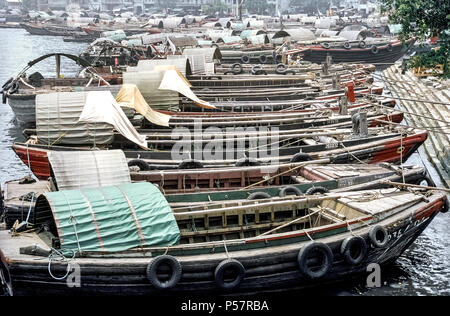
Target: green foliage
<point>422,19</point>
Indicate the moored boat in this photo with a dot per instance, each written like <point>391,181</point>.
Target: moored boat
<point>253,247</point>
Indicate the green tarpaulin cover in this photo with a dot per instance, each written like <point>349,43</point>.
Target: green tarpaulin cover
<point>114,218</point>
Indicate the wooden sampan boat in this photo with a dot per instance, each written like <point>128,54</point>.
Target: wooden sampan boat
<point>198,186</point>
<point>390,147</point>
<point>283,243</point>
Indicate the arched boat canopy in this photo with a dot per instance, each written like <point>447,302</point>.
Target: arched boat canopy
<point>108,219</point>
<point>77,59</point>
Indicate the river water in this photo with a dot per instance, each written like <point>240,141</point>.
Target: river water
<point>422,270</point>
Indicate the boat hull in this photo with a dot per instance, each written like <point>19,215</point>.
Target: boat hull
<point>339,55</point>
<point>24,108</point>
<point>271,268</point>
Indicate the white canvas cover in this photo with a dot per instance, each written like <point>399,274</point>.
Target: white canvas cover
<point>75,170</point>
<point>101,106</point>
<point>173,80</point>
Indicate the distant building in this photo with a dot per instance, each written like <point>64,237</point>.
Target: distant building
<point>13,4</point>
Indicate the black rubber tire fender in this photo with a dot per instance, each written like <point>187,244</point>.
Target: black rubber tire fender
<point>175,272</point>
<point>245,59</point>
<point>259,196</point>
<point>325,45</point>
<point>299,157</point>
<point>190,164</point>
<point>222,267</point>
<point>290,189</point>
<point>389,48</point>
<point>347,45</point>
<point>309,250</point>
<point>379,236</point>
<point>239,66</point>
<point>247,162</point>
<point>354,249</point>
<point>262,59</point>
<point>256,69</point>
<point>316,190</point>
<point>362,44</point>
<point>278,58</point>
<point>143,165</point>
<point>374,49</point>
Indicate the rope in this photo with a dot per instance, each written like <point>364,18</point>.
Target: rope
<point>63,258</point>
<point>348,151</point>
<point>73,221</point>
<point>226,249</point>
<point>401,158</point>
<point>433,129</point>
<point>29,209</point>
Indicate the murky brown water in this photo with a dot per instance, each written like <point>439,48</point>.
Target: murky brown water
<point>422,270</point>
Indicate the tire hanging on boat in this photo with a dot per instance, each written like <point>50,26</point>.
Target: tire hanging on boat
<point>245,59</point>
<point>354,249</point>
<point>389,48</point>
<point>262,59</point>
<point>259,196</point>
<point>278,58</point>
<point>174,276</point>
<point>347,45</point>
<point>222,268</point>
<point>379,236</point>
<point>316,190</point>
<point>318,251</point>
<point>244,162</point>
<point>325,45</point>
<point>299,157</point>
<point>290,189</point>
<point>374,49</point>
<point>257,70</point>
<point>362,44</point>
<point>143,165</point>
<point>238,66</point>
<point>190,164</point>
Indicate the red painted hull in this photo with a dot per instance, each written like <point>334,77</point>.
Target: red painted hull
<point>399,151</point>
<point>389,152</point>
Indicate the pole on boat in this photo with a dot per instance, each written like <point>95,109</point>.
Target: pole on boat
<point>58,65</point>
<point>363,126</point>
<point>408,185</point>
<point>343,105</point>
<point>335,82</point>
